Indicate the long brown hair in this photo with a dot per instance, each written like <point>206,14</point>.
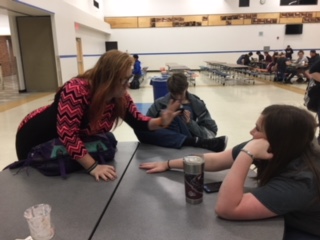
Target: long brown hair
<point>290,132</point>
<point>104,79</point>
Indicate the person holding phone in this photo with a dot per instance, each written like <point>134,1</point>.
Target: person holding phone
<point>192,127</point>
<point>287,159</point>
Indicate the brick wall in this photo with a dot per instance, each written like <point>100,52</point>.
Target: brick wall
<point>7,59</point>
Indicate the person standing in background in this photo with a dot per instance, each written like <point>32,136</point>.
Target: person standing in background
<point>135,83</point>
<point>289,52</point>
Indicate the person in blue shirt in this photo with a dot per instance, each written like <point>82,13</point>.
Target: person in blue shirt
<point>135,83</point>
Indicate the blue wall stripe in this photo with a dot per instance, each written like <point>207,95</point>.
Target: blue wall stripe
<point>190,53</point>
<point>68,56</point>
<point>219,52</point>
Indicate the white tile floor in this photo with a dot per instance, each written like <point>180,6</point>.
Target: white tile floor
<point>235,108</point>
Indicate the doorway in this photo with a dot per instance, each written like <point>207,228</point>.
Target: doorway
<point>79,56</point>
<point>37,53</point>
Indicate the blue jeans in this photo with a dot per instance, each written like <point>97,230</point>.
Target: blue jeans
<point>171,137</point>
<point>282,75</point>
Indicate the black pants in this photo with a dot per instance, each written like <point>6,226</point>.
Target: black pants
<point>295,234</point>
<point>39,129</point>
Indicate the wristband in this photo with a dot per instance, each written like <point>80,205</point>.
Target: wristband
<point>168,165</point>
<point>93,166</point>
<point>248,153</point>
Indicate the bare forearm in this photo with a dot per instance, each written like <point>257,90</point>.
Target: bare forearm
<point>218,161</point>
<point>213,161</point>
<point>231,191</point>
<point>155,123</point>
<point>86,161</point>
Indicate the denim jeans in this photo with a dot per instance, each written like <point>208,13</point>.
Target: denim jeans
<point>171,137</point>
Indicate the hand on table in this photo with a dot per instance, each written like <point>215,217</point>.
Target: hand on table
<point>105,172</point>
<point>154,167</point>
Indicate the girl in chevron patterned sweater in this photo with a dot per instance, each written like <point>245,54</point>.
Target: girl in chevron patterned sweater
<point>93,102</point>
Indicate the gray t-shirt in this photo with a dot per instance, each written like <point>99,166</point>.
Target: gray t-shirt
<point>292,194</point>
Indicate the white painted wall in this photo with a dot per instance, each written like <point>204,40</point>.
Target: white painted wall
<point>117,8</point>
<point>163,45</point>
<point>88,7</point>
<point>4,25</point>
<point>92,46</point>
<point>64,17</point>
<point>157,46</point>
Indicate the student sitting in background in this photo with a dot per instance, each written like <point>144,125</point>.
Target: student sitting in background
<point>193,127</point>
<point>244,59</point>
<point>281,69</point>
<point>268,58</point>
<point>260,56</point>
<point>287,159</point>
<point>300,66</point>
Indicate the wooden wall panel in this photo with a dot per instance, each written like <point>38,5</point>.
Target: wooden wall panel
<point>144,22</point>
<point>163,24</point>
<point>290,20</point>
<point>237,22</point>
<point>204,23</point>
<point>129,22</point>
<point>215,20</point>
<point>247,21</point>
<point>193,18</point>
<point>268,15</point>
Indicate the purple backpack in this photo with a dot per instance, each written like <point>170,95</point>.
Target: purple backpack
<point>52,159</point>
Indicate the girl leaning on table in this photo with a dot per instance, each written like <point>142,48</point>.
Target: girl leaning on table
<point>287,159</point>
<point>91,103</point>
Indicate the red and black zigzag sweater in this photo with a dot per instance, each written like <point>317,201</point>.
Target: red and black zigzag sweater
<point>67,113</point>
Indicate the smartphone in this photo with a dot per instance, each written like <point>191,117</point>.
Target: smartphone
<point>212,187</point>
<point>181,110</point>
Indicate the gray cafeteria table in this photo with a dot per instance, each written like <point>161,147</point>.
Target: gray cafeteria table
<point>77,202</point>
<point>153,206</point>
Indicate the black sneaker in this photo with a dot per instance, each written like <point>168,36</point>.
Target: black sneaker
<point>218,144</point>
<point>300,80</point>
<point>287,81</point>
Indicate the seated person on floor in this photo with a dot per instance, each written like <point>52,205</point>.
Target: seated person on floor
<point>193,127</point>
<point>281,69</point>
<point>270,63</point>
<point>299,68</point>
<point>260,56</point>
<point>244,59</point>
<point>268,58</point>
